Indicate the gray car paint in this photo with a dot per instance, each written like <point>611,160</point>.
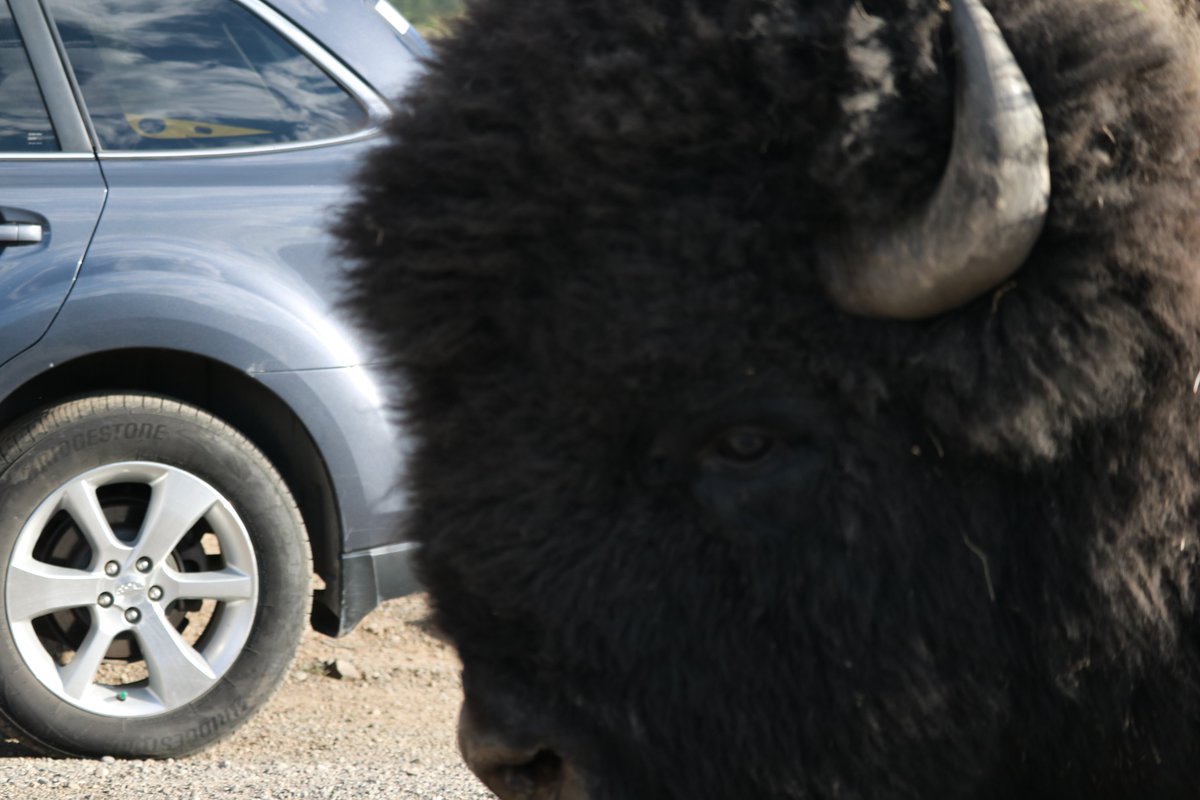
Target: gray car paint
<point>64,197</point>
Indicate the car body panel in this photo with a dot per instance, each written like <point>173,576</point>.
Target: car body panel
<point>340,408</point>
<point>266,285</point>
<point>64,197</point>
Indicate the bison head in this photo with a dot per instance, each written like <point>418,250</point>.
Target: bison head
<point>774,439</point>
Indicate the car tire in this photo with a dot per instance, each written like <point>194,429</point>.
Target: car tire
<point>154,578</point>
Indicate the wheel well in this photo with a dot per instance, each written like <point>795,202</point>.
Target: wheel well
<point>224,392</point>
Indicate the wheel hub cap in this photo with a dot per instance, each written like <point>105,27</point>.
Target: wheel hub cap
<point>134,589</point>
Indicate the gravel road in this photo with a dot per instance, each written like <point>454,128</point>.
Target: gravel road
<point>387,733</point>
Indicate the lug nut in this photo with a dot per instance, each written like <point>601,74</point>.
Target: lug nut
<point>155,593</point>
<point>143,565</point>
<point>104,600</point>
<point>112,568</point>
<point>132,615</point>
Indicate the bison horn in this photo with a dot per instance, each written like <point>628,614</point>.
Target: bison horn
<point>988,210</point>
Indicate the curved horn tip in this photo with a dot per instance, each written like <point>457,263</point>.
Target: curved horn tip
<point>987,213</point>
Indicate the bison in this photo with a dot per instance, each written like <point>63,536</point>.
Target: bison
<point>803,393</point>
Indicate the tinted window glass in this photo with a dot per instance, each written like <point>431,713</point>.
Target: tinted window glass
<point>24,124</point>
<point>178,74</point>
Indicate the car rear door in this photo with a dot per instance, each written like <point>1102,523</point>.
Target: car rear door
<point>51,188</point>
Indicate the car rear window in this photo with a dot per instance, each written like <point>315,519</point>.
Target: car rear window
<point>24,124</point>
<point>183,74</point>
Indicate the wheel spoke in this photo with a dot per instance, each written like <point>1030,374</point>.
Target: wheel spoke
<point>128,584</point>
<point>36,589</point>
<point>179,500</point>
<point>80,501</point>
<point>225,585</point>
<point>81,672</point>
<point>178,674</point>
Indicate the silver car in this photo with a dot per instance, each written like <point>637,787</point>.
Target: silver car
<point>191,429</point>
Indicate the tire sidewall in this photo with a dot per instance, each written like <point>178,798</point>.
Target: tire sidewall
<point>62,447</point>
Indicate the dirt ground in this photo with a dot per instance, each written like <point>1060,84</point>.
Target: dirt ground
<point>402,704</point>
<point>407,690</point>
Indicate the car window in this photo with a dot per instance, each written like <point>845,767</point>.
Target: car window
<point>181,74</point>
<point>24,124</point>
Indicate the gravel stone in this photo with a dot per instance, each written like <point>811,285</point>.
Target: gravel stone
<point>344,669</point>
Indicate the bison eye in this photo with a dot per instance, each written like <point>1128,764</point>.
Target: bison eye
<point>740,447</point>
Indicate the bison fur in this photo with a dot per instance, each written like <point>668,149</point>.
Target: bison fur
<point>699,534</point>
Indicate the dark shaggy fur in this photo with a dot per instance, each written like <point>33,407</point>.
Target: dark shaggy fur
<point>967,568</point>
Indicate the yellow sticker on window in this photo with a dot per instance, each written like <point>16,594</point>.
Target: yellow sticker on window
<point>170,128</point>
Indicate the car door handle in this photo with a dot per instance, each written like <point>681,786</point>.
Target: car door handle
<point>20,233</point>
